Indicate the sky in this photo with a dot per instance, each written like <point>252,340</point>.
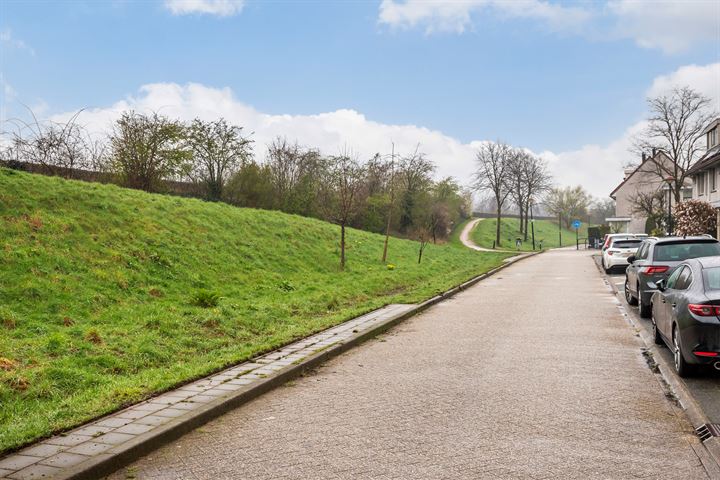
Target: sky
<point>566,80</point>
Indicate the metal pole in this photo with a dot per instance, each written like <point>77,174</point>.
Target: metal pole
<point>670,225</point>
<point>577,240</point>
<point>532,226</point>
<point>559,230</point>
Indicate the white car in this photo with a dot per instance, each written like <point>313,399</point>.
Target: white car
<point>618,251</point>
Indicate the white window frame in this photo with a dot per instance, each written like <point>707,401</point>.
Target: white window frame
<point>700,184</point>
<point>713,179</point>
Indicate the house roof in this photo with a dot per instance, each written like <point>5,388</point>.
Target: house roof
<point>711,158</point>
<point>612,194</point>
<point>712,125</point>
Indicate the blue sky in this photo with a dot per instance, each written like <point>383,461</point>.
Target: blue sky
<point>552,77</point>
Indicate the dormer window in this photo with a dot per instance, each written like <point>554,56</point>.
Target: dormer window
<point>712,139</point>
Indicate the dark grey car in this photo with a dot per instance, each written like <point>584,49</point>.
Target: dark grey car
<point>654,260</point>
<point>686,314</point>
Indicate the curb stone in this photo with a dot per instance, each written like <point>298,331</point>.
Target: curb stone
<point>112,458</point>
<point>710,457</point>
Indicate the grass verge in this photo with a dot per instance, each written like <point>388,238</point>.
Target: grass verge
<point>108,295</point>
<point>545,230</point>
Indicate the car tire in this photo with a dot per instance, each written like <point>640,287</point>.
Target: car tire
<point>657,338</point>
<point>683,368</point>
<point>628,296</point>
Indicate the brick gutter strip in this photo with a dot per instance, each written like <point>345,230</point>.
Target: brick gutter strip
<point>105,445</point>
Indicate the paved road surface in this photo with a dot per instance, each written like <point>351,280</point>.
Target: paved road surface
<point>530,374</point>
<point>705,388</point>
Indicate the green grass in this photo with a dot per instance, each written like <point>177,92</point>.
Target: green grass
<point>108,295</point>
<point>547,231</point>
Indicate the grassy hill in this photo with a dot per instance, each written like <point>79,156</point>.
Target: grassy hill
<point>547,231</point>
<point>101,291</point>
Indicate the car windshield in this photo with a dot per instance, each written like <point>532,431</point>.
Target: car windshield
<point>677,252</point>
<point>626,243</point>
<point>711,276</point>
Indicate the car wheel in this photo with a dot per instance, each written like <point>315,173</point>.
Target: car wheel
<point>605,268</point>
<point>656,333</point>
<point>628,296</point>
<point>683,368</point>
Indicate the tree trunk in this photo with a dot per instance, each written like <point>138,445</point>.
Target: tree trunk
<point>387,237</point>
<point>521,219</point>
<point>422,247</point>
<point>342,246</point>
<point>527,215</point>
<point>497,226</point>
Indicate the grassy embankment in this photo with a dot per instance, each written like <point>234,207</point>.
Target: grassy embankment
<point>100,289</point>
<point>484,233</point>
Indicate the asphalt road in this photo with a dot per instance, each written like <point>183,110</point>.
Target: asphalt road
<point>705,387</point>
<point>532,373</point>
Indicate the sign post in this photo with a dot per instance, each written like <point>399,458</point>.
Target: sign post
<point>576,225</point>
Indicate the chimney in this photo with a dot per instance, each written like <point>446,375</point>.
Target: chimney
<point>643,157</point>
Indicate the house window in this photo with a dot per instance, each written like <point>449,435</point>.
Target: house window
<point>712,179</point>
<point>712,138</point>
<point>700,184</point>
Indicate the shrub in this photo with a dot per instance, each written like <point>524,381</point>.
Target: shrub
<point>205,299</point>
<point>694,217</point>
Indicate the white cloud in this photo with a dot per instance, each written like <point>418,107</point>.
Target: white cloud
<point>672,26</point>
<point>439,15</point>
<point>703,78</point>
<point>221,8</point>
<point>7,39</point>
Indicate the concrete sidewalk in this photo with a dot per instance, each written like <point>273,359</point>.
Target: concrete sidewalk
<point>532,373</point>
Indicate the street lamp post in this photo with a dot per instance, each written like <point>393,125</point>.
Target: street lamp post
<point>532,224</point>
<point>669,181</point>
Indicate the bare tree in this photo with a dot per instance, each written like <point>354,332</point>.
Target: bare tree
<point>61,148</point>
<point>674,128</point>
<point>494,162</point>
<point>537,181</point>
<point>294,172</point>
<point>414,174</point>
<point>147,149</point>
<point>218,149</point>
<point>651,205</point>
<point>342,193</point>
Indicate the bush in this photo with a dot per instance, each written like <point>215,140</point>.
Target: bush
<point>695,217</point>
<point>205,299</point>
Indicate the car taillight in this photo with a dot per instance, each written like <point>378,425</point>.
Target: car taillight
<point>704,310</point>
<point>706,354</point>
<point>655,269</point>
<point>610,252</point>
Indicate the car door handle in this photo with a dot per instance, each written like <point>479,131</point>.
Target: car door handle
<point>674,305</point>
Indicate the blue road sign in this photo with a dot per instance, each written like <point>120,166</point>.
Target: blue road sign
<point>576,224</point>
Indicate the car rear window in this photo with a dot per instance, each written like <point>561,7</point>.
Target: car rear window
<point>627,243</point>
<point>676,252</point>
<point>711,277</point>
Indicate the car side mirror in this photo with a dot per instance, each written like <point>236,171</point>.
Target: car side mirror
<point>660,285</point>
<point>631,259</point>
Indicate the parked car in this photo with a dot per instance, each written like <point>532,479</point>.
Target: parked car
<point>610,236</point>
<point>654,260</point>
<point>686,314</point>
<point>617,253</point>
